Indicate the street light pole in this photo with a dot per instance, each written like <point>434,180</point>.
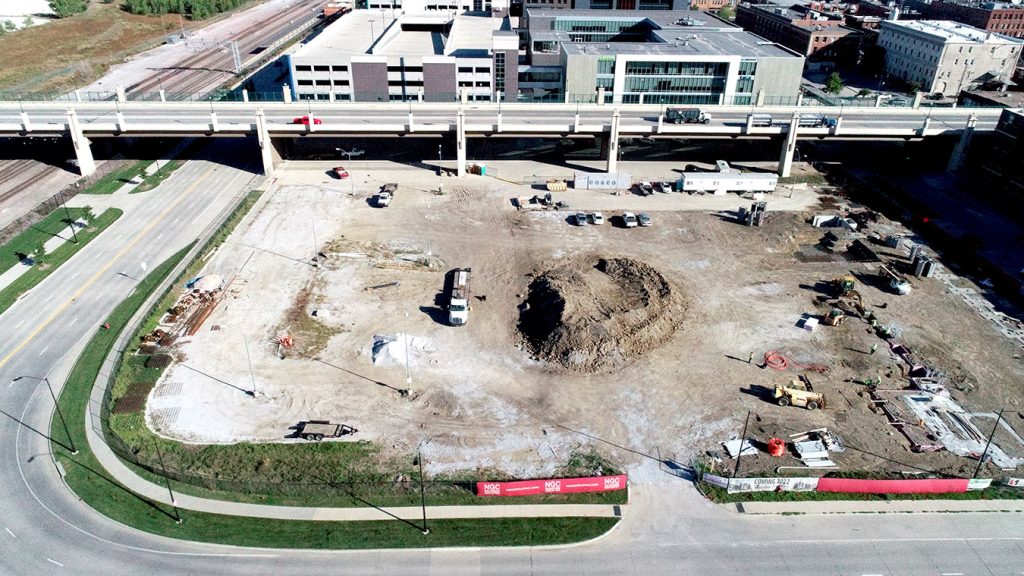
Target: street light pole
<point>439,147</point>
<point>56,404</point>
<point>67,215</point>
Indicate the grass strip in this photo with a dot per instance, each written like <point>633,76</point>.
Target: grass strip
<point>155,179</point>
<point>115,179</point>
<point>52,261</point>
<point>91,482</point>
<point>29,240</point>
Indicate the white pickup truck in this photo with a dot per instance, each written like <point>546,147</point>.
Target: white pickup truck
<point>386,195</point>
<point>458,301</point>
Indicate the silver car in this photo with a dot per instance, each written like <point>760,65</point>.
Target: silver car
<point>643,219</point>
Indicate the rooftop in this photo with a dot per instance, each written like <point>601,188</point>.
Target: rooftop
<point>368,32</point>
<point>951,32</point>
<point>679,19</point>
<point>706,42</point>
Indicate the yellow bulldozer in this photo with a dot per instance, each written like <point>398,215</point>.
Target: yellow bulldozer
<point>799,393</point>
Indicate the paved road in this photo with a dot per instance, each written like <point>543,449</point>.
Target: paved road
<point>667,529</point>
<point>281,118</point>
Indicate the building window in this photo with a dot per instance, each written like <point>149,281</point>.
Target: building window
<point>499,71</point>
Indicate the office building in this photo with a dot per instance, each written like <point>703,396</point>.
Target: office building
<point>671,57</point>
<point>945,57</point>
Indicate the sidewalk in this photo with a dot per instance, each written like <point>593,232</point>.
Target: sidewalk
<point>875,507</point>
<point>51,245</point>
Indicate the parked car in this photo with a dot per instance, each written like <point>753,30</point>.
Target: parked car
<point>643,219</point>
<point>595,218</point>
<point>629,219</point>
<point>579,219</point>
<point>900,101</point>
<point>665,187</point>
<point>305,120</point>
<point>645,188</point>
<point>340,172</point>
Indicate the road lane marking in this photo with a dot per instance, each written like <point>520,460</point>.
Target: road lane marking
<point>73,320</point>
<point>20,323</point>
<point>9,532</point>
<point>110,263</point>
<point>75,275</point>
<point>45,348</point>
<point>952,574</point>
<point>52,561</point>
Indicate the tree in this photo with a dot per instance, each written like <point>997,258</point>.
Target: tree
<point>29,21</point>
<point>66,8</point>
<point>834,84</point>
<point>863,93</point>
<point>914,87</point>
<point>9,26</point>
<point>727,12</point>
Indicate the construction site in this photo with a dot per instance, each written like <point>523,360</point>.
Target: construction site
<point>452,320</point>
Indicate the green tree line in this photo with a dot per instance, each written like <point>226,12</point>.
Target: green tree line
<point>194,9</point>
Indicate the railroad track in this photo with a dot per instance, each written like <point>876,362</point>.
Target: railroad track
<point>213,66</point>
<point>206,70</point>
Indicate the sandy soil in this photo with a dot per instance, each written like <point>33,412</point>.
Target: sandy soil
<point>478,399</point>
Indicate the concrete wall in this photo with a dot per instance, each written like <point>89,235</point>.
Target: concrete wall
<point>369,81</point>
<point>778,76</point>
<point>580,72</point>
<point>440,81</point>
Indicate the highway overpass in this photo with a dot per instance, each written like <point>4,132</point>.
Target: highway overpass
<point>270,120</point>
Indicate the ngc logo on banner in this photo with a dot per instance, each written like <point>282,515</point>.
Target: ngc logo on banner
<point>612,483</point>
<point>492,489</point>
<point>553,486</point>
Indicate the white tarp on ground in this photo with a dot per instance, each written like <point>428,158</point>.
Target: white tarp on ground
<point>772,484</point>
<point>395,349</point>
<point>953,427</point>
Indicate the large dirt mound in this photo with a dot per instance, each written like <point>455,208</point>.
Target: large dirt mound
<point>593,314</point>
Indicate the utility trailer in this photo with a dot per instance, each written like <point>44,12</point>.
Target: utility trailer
<point>317,430</point>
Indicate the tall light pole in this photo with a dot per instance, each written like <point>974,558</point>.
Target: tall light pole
<point>351,180</point>
<point>67,215</point>
<point>439,146</point>
<point>60,414</point>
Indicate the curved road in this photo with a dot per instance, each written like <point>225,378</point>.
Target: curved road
<point>667,529</point>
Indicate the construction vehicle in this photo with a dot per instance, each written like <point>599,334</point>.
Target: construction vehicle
<point>799,393</point>
<point>898,282</point>
<point>317,430</point>
<point>458,301</point>
<point>844,285</point>
<point>835,317</point>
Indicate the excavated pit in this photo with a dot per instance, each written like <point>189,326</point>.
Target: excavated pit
<point>593,314</point>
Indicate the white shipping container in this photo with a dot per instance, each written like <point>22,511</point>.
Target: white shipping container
<point>731,182</point>
<point>603,181</point>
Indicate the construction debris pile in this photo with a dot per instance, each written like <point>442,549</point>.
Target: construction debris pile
<point>593,314</point>
<point>199,299</point>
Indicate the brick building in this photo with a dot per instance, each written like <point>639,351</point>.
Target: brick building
<point>999,17</point>
<point>819,36</point>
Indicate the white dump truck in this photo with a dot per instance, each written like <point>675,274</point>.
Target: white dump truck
<point>458,301</point>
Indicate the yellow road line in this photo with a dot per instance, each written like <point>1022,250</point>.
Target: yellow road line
<point>188,192</point>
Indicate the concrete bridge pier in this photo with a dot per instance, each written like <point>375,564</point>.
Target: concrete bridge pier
<point>267,151</point>
<point>956,161</point>
<point>460,143</point>
<point>789,147</point>
<point>613,143</point>
<point>83,151</point>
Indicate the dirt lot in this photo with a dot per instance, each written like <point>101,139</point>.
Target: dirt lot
<point>482,397</point>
